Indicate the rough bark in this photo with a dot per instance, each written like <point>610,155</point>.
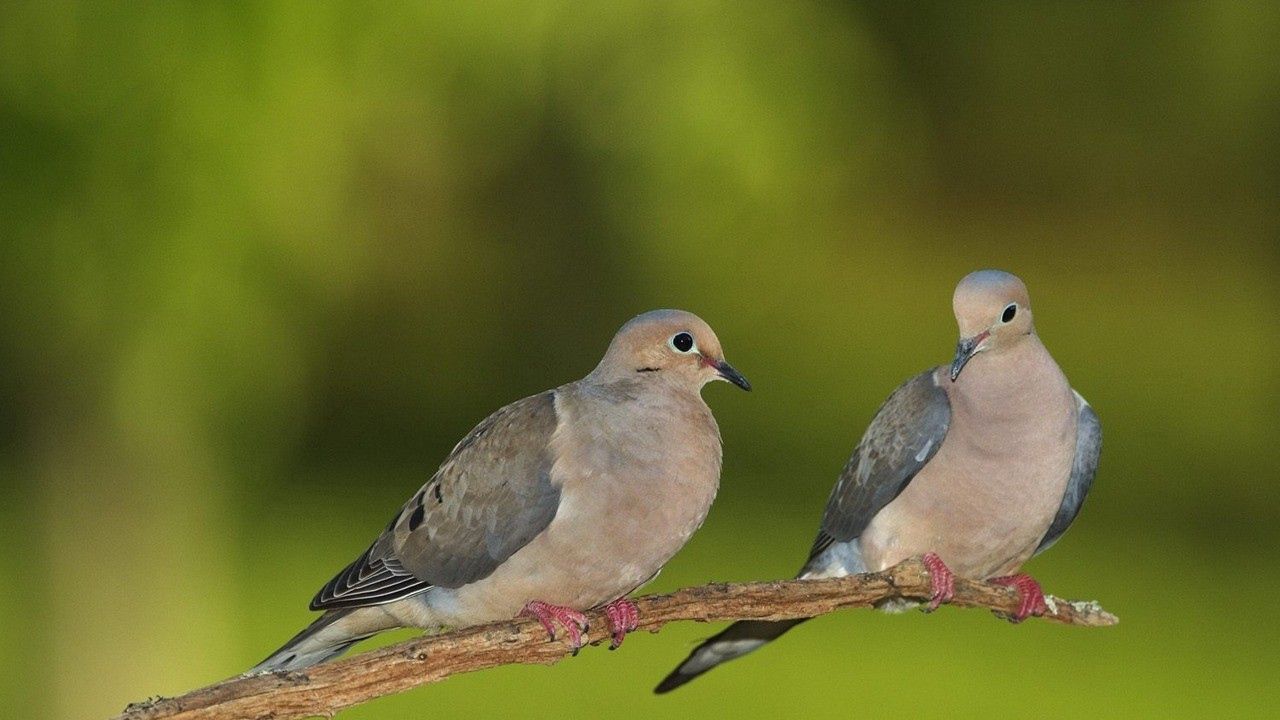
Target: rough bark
<point>325,689</point>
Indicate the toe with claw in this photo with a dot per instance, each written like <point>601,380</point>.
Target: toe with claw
<point>942,581</point>
<point>1030,595</point>
<point>573,622</point>
<point>624,617</point>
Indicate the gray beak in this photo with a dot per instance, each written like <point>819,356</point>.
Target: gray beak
<point>965,350</point>
<point>728,372</point>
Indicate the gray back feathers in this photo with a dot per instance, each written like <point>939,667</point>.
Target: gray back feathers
<point>905,433</point>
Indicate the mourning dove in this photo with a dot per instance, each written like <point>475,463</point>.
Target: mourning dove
<point>555,504</point>
<point>977,466</point>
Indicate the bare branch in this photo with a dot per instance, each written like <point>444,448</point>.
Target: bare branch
<point>325,689</point>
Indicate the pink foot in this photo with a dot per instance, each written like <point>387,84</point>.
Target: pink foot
<point>941,580</point>
<point>624,617</point>
<point>574,622</point>
<point>1029,592</point>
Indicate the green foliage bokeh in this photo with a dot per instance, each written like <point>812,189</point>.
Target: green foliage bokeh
<point>261,264</point>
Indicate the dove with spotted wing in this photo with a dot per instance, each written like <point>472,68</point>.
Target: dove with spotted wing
<point>977,465</point>
<point>557,503</point>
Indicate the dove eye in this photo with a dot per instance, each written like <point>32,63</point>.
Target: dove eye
<point>682,342</point>
<point>1009,312</point>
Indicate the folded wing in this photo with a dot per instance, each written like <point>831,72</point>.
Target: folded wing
<point>490,497</point>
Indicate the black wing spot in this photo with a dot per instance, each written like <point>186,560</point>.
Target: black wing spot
<point>436,492</point>
<point>415,520</point>
<point>648,369</point>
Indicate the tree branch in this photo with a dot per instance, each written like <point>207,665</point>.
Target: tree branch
<point>327,688</point>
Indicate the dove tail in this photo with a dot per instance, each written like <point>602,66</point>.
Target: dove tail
<point>829,558</point>
<point>328,637</point>
<point>735,641</point>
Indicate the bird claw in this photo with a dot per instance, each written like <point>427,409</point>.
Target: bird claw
<point>624,617</point>
<point>1031,599</point>
<point>573,622</point>
<point>942,581</point>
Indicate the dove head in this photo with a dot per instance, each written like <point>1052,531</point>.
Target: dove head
<point>993,311</point>
<point>671,346</point>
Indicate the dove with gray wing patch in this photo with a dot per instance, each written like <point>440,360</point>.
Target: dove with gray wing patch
<point>980,463</point>
<point>557,503</point>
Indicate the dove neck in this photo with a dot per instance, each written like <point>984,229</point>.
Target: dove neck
<point>1010,382</point>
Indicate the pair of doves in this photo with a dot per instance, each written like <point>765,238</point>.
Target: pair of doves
<point>573,498</point>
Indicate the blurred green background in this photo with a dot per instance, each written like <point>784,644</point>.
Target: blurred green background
<point>262,264</point>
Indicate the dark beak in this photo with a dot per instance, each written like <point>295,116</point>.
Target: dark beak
<point>728,372</point>
<point>965,350</point>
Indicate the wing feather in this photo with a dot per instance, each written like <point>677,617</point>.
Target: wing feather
<point>903,436</point>
<point>1083,468</point>
<point>490,497</point>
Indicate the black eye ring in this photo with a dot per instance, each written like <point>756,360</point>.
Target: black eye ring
<point>682,342</point>
<point>1009,312</point>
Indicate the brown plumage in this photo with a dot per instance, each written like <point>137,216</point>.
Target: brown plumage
<point>983,463</point>
<point>571,498</point>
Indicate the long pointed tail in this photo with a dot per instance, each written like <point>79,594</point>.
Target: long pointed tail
<point>735,641</point>
<point>329,636</point>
